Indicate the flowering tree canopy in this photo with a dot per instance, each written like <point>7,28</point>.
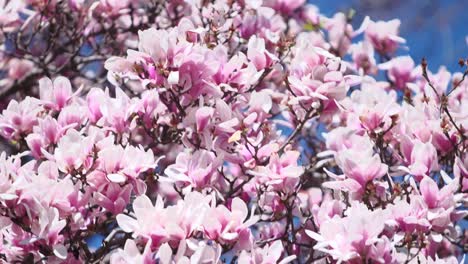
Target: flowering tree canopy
<point>193,131</point>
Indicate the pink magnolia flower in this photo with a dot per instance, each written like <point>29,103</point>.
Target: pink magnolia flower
<point>318,76</point>
<point>61,194</point>
<point>351,238</point>
<point>370,109</point>
<point>440,81</point>
<point>383,252</point>
<point>250,157</point>
<point>422,121</point>
<point>270,202</point>
<point>228,226</point>
<point>48,228</point>
<point>260,103</point>
<point>203,116</point>
<point>56,94</point>
<point>131,254</point>
<point>363,57</point>
<point>460,170</point>
<point>384,35</point>
<point>410,217</point>
<point>281,173</point>
<point>50,130</point>
<point>94,99</point>
<point>190,251</point>
<point>159,44</point>
<point>441,203</point>
<point>197,169</point>
<point>421,157</point>
<point>148,108</point>
<point>231,72</point>
<point>19,118</point>
<point>400,71</point>
<point>258,55</point>
<point>430,192</point>
<point>46,134</point>
<point>110,7</point>
<point>72,115</point>
<point>264,22</point>
<point>270,230</point>
<point>212,86</point>
<point>149,221</point>
<point>113,198</point>
<point>72,151</point>
<point>285,6</point>
<point>107,110</point>
<point>35,144</point>
<point>120,165</point>
<point>326,210</point>
<point>165,224</point>
<point>342,138</point>
<point>266,255</point>
<point>136,160</point>
<point>359,166</point>
<point>8,168</point>
<point>340,32</point>
<point>311,197</point>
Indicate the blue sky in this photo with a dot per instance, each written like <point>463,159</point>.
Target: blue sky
<point>435,29</point>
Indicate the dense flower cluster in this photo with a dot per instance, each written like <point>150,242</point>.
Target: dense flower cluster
<point>225,131</point>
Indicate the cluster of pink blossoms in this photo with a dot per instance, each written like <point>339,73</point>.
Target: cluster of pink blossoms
<point>225,132</point>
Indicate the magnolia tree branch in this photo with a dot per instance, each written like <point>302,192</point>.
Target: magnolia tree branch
<point>224,131</point>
